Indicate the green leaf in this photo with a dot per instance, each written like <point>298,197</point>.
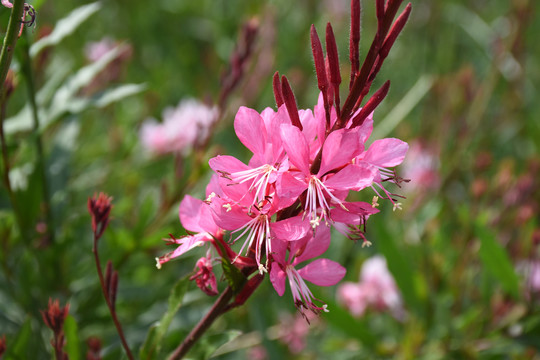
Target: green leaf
<point>72,338</point>
<point>64,100</point>
<point>65,27</point>
<point>116,94</point>
<point>148,349</point>
<point>209,344</point>
<point>152,345</point>
<point>496,261</point>
<point>18,348</point>
<point>234,276</point>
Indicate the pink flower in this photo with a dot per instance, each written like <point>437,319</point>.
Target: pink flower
<point>260,134</point>
<point>322,272</point>
<point>196,216</point>
<point>336,175</point>
<point>376,289</point>
<point>7,4</point>
<point>183,127</point>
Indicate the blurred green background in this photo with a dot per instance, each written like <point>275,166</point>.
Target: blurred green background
<point>464,77</point>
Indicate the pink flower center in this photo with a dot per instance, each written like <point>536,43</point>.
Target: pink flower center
<point>316,199</point>
<point>260,180</point>
<point>301,294</point>
<point>257,230</point>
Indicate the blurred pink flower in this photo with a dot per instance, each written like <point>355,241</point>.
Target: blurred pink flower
<point>376,289</point>
<point>421,167</point>
<point>94,51</point>
<point>182,128</point>
<point>530,271</point>
<point>257,353</point>
<point>294,330</point>
<point>534,276</point>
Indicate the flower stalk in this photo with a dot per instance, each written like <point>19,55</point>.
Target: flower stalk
<point>99,208</point>
<point>219,307</point>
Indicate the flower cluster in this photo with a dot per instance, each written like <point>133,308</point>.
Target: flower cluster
<point>281,205</point>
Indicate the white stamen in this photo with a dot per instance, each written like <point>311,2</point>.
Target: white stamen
<point>210,197</point>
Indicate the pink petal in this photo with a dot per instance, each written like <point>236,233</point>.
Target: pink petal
<point>196,216</point>
<point>323,272</point>
<point>386,152</point>
<point>353,213</point>
<point>227,219</point>
<point>226,163</point>
<point>291,229</point>
<point>250,129</point>
<point>289,186</point>
<point>339,149</point>
<point>352,177</point>
<point>296,146</point>
<point>316,246</point>
<point>214,186</point>
<point>188,243</point>
<point>366,128</point>
<point>277,277</point>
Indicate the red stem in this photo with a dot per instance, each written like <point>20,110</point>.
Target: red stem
<point>107,300</point>
<point>203,325</point>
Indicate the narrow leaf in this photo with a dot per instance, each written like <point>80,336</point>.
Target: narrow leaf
<point>65,27</point>
<point>496,261</point>
<point>72,338</point>
<point>152,345</point>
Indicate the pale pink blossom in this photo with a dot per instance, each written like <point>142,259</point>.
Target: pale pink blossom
<point>376,290</point>
<point>97,49</point>
<point>183,127</point>
<point>421,167</point>
<point>295,329</point>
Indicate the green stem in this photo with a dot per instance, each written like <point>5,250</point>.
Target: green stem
<point>6,55</point>
<point>29,77</point>
<point>10,40</point>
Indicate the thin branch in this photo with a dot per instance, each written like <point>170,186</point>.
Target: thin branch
<point>217,309</point>
<point>108,298</point>
<point>12,34</point>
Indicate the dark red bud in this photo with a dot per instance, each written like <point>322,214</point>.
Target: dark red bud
<point>290,102</point>
<point>318,57</point>
<point>278,95</point>
<point>372,103</point>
